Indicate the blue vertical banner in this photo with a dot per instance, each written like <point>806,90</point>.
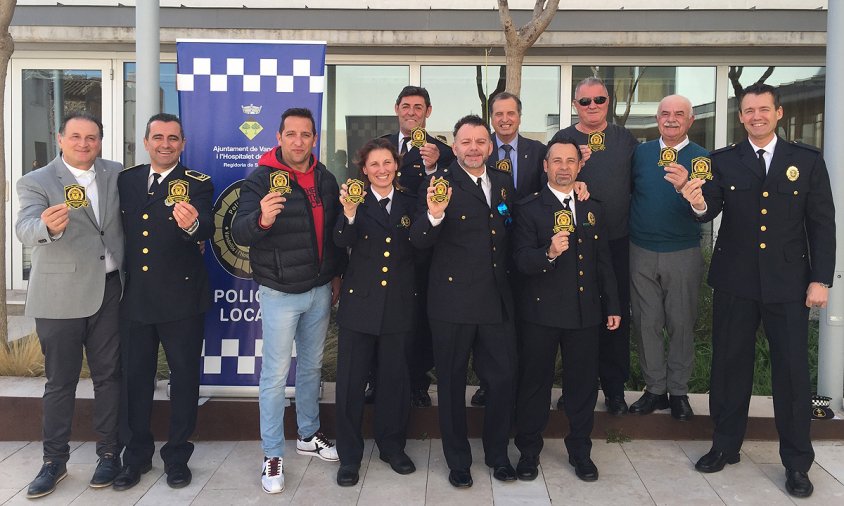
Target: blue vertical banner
<point>231,96</point>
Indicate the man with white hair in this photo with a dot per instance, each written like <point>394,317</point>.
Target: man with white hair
<point>666,265</point>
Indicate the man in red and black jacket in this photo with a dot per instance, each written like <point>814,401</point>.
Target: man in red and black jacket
<point>286,212</point>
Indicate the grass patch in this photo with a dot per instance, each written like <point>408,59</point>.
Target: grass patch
<point>617,436</point>
<point>22,357</point>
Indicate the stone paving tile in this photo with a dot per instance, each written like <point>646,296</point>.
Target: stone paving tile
<point>831,458</point>
<point>760,452</point>
<point>318,486</point>
<point>669,474</point>
<point>742,483</point>
<point>440,491</point>
<point>109,496</point>
<point>19,468</point>
<point>520,492</point>
<point>828,490</point>
<point>383,486</point>
<point>10,447</point>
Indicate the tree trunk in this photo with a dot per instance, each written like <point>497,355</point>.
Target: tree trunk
<point>515,58</point>
<point>7,46</point>
<point>518,41</point>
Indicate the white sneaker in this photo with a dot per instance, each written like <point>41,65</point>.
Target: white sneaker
<point>272,479</point>
<point>317,446</point>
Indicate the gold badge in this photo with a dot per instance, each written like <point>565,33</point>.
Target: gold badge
<point>417,137</point>
<point>504,165</point>
<point>563,221</point>
<point>199,176</point>
<point>792,173</point>
<point>667,156</point>
<point>280,182</point>
<point>354,191</point>
<point>405,221</point>
<point>177,191</point>
<point>590,218</point>
<point>702,168</point>
<point>440,190</point>
<point>74,196</point>
<point>596,141</point>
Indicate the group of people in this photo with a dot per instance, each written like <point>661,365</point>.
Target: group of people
<point>498,248</point>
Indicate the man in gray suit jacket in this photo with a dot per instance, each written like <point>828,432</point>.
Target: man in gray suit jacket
<point>70,217</point>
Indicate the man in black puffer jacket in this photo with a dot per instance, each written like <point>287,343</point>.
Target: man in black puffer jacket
<point>286,212</point>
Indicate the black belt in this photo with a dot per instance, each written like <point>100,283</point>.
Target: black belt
<point>111,274</point>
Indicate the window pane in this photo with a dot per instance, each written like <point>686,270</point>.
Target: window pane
<point>169,103</point>
<point>802,96</point>
<point>357,107</point>
<point>456,91</point>
<point>635,93</point>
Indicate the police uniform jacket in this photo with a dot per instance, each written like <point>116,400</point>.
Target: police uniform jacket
<point>165,273</point>
<point>777,230</point>
<point>468,280</point>
<point>530,173</point>
<point>378,294</point>
<point>577,289</point>
<point>412,170</point>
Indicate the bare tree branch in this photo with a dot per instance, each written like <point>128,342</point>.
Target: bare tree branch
<point>518,41</point>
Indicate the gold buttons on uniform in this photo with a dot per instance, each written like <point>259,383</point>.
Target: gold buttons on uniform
<point>580,257</point>
<point>351,290</point>
<point>145,268</point>
<point>386,253</point>
<point>764,194</point>
<point>795,192</point>
<point>763,246</point>
<point>763,228</point>
<point>579,241</point>
<point>145,216</point>
<point>145,250</point>
<point>384,282</point>
<point>450,279</point>
<point>493,231</point>
<point>388,240</point>
<point>732,187</point>
<point>463,217</point>
<point>145,233</point>
<point>491,215</point>
<point>384,269</point>
<point>764,211</point>
<point>493,248</point>
<point>581,273</point>
<point>537,299</point>
<point>596,237</point>
<point>581,288</point>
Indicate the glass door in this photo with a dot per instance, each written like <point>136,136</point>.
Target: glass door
<point>43,92</point>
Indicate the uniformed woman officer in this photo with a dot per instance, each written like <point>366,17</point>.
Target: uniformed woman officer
<point>376,313</point>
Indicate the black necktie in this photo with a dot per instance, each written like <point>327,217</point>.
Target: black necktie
<point>507,149</point>
<point>479,181</point>
<point>155,184</point>
<point>761,154</point>
<point>567,207</point>
<point>404,141</point>
<point>383,203</point>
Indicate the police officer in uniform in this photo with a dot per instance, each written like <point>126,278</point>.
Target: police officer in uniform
<point>567,292</point>
<point>166,210</point>
<point>773,260</point>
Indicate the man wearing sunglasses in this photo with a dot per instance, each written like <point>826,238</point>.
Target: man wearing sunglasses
<point>607,174</point>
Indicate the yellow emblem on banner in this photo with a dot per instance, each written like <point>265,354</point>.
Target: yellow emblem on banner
<point>177,191</point>
<point>702,168</point>
<point>590,218</point>
<point>280,182</point>
<point>405,221</point>
<point>563,221</point>
<point>418,137</point>
<point>667,156</point>
<point>792,173</point>
<point>354,191</point>
<point>596,141</point>
<point>440,190</point>
<point>251,129</point>
<point>74,196</point>
<point>504,165</point>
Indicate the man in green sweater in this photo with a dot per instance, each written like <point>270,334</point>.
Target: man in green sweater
<point>666,265</point>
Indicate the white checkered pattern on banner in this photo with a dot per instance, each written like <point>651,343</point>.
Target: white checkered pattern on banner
<point>230,358</point>
<point>235,73</point>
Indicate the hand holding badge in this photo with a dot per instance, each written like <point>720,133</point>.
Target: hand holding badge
<point>272,203</point>
<point>667,156</point>
<point>439,194</point>
<point>351,195</point>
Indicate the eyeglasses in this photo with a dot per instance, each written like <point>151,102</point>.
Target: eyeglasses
<point>585,101</point>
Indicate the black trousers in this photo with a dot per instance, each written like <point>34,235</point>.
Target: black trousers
<point>355,351</point>
<point>734,324</point>
<point>62,342</point>
<point>182,341</point>
<point>421,358</point>
<point>494,348</point>
<point>614,358</point>
<point>537,355</point>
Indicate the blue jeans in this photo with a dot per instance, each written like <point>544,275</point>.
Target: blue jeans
<point>286,317</point>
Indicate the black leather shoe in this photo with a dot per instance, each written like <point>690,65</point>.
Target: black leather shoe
<point>715,461</point>
<point>504,473</point>
<point>419,398</point>
<point>616,405</point>
<point>460,478</point>
<point>108,467</point>
<point>347,475</point>
<point>584,468</point>
<point>648,403</point>
<point>369,394</point>
<point>680,408</point>
<point>129,476</point>
<point>479,398</point>
<point>527,468</point>
<point>50,474</point>
<point>560,405</point>
<point>400,463</point>
<point>797,483</point>
<point>178,475</point>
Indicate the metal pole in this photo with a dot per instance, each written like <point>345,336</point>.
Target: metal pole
<point>147,78</point>
<point>831,345</point>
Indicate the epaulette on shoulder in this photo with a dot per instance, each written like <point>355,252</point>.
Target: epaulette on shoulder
<point>725,148</point>
<point>527,198</point>
<point>806,146</point>
<point>134,167</point>
<point>496,169</point>
<point>199,176</point>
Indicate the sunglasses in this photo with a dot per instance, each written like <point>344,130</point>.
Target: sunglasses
<point>585,101</point>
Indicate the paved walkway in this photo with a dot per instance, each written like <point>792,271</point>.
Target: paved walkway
<point>638,472</point>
